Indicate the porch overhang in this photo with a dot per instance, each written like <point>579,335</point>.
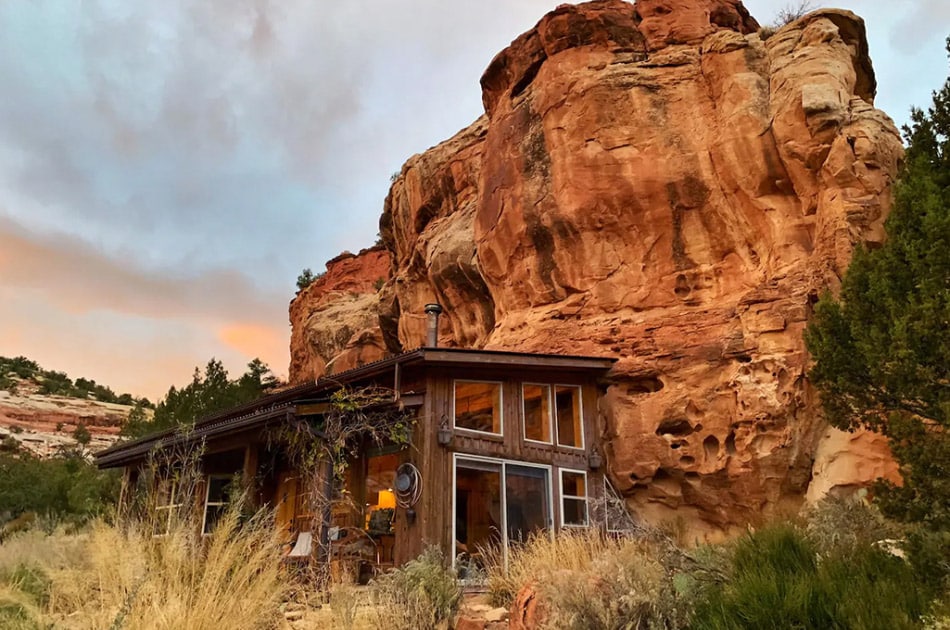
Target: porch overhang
<point>138,450</point>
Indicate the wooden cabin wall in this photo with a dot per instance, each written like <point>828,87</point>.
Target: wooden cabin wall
<point>434,512</point>
<point>428,527</point>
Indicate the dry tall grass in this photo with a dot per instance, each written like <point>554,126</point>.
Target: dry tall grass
<point>122,577</point>
<point>588,580</point>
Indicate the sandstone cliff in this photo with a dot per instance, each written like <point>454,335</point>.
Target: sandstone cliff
<point>43,424</point>
<point>335,320</point>
<point>654,182</point>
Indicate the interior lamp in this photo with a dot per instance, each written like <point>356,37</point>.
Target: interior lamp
<point>387,500</point>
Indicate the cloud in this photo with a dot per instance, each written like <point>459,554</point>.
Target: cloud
<point>252,134</point>
<point>78,278</point>
<point>251,340</point>
<point>139,355</point>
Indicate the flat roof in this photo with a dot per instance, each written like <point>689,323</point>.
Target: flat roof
<point>282,404</point>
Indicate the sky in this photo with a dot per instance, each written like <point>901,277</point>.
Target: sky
<point>168,168</point>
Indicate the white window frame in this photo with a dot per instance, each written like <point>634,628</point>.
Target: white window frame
<point>585,498</point>
<point>170,507</point>
<point>501,408</point>
<point>207,504</point>
<point>504,496</point>
<point>580,411</point>
<point>551,420</point>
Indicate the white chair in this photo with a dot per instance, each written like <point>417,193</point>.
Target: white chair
<point>303,546</point>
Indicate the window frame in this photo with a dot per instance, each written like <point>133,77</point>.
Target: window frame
<point>501,407</point>
<point>204,514</point>
<point>580,412</point>
<point>585,498</point>
<point>502,463</point>
<point>173,503</point>
<point>552,429</point>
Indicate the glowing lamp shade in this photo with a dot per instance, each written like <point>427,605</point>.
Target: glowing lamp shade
<point>387,499</point>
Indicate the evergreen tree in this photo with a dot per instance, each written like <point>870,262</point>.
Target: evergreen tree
<point>882,352</point>
<point>82,435</point>
<point>207,393</point>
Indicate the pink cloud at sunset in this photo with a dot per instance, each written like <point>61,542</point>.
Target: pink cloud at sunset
<point>254,340</point>
<point>73,309</point>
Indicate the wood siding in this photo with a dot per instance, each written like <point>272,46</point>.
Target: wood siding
<point>434,511</point>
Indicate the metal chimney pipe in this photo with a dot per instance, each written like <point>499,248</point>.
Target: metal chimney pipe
<point>432,330</point>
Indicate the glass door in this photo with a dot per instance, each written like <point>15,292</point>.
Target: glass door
<point>479,520</point>
<point>498,503</point>
<point>527,491</point>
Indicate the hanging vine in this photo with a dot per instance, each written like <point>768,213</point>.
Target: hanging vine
<point>353,419</point>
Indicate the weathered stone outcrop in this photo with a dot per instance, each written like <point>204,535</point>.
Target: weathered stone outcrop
<point>43,424</point>
<point>654,182</point>
<point>335,320</point>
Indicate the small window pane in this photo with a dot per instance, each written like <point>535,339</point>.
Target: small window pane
<point>573,484</point>
<point>537,412</point>
<point>573,498</point>
<point>478,406</point>
<point>575,512</point>
<point>568,407</point>
<point>216,504</point>
<point>213,514</point>
<point>219,489</point>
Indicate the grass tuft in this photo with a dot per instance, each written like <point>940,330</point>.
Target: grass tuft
<point>112,576</point>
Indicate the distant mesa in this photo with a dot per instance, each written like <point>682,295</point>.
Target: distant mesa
<point>41,409</point>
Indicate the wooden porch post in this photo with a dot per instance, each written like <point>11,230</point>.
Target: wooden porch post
<point>249,475</point>
<point>130,477</point>
<point>326,515</point>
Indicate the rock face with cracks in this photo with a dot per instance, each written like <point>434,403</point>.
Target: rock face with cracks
<point>334,321</point>
<point>653,182</point>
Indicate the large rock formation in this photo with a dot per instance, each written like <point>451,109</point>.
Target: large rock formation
<point>654,182</point>
<point>335,320</point>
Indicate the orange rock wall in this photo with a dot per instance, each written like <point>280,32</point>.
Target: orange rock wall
<point>335,320</point>
<point>654,182</point>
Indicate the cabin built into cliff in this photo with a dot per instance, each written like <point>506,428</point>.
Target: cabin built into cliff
<point>502,444</point>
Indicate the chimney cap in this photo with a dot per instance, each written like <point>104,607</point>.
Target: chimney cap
<point>433,308</point>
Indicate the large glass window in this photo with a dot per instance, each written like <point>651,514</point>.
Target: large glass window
<point>478,507</point>
<point>216,500</point>
<point>527,489</point>
<point>497,503</point>
<point>574,498</point>
<point>537,412</point>
<point>478,406</point>
<point>567,405</point>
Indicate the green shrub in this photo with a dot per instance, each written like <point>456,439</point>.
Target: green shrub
<point>778,581</point>
<point>929,554</point>
<point>306,278</point>
<point>66,487</point>
<point>421,595</point>
<point>8,383</point>
<point>842,524</point>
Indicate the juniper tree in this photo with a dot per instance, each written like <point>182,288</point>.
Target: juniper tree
<point>882,350</point>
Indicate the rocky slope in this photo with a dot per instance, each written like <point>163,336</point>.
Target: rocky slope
<point>42,424</point>
<point>655,182</point>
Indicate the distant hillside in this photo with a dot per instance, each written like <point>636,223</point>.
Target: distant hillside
<point>20,370</point>
<point>44,410</point>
